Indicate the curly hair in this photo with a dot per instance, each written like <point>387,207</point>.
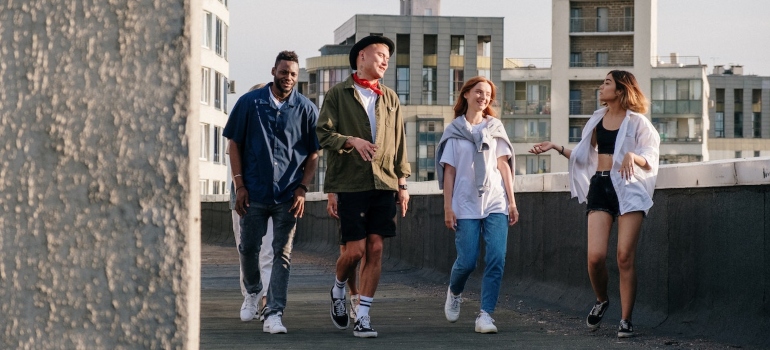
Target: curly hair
<point>286,56</point>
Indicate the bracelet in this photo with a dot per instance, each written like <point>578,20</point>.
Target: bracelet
<point>303,187</point>
<point>234,176</point>
<point>562,150</point>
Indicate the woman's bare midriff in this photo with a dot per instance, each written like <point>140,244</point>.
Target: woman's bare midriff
<point>605,162</point>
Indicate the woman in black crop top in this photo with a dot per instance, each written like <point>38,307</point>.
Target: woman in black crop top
<point>634,174</point>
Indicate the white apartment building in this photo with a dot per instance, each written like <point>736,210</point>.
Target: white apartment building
<point>552,99</point>
<point>214,88</point>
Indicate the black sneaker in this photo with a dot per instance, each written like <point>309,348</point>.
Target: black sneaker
<point>338,312</point>
<point>596,314</point>
<point>363,328</point>
<point>626,329</point>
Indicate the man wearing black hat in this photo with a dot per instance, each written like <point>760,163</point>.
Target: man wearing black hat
<point>362,131</point>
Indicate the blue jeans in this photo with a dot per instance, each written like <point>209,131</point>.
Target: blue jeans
<point>253,228</point>
<point>494,229</point>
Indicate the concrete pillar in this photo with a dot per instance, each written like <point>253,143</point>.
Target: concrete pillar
<point>100,212</point>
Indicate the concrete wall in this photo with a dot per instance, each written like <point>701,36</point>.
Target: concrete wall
<point>703,258</point>
<point>99,230</point>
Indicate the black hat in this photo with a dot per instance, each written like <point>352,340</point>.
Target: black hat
<point>363,43</point>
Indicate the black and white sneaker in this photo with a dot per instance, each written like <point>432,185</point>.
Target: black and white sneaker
<point>626,329</point>
<point>596,314</point>
<point>339,312</point>
<point>363,328</point>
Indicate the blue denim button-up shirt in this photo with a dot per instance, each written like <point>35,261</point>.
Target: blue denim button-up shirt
<point>273,143</point>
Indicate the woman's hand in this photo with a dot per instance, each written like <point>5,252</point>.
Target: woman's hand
<point>450,220</point>
<point>627,166</point>
<point>541,147</point>
<point>513,215</point>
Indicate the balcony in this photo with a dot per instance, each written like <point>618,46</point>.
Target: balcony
<point>601,25</point>
<point>527,130</point>
<point>677,107</point>
<point>594,64</point>
<point>679,130</point>
<point>528,63</point>
<point>583,107</point>
<point>527,107</point>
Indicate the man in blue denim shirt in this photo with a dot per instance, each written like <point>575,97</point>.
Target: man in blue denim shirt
<point>273,155</point>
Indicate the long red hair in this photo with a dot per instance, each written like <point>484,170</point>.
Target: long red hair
<point>461,106</point>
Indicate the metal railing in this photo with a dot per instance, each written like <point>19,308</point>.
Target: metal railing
<point>601,25</point>
<point>582,107</point>
<point>526,108</point>
<point>529,63</point>
<point>594,63</point>
<point>675,60</point>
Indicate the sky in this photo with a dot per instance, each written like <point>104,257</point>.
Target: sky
<point>719,32</point>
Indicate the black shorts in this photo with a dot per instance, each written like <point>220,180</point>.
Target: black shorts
<point>602,196</point>
<point>368,212</point>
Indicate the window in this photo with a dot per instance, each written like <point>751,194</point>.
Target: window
<point>576,20</point>
<point>756,153</point>
<point>527,97</point>
<point>738,116</point>
<point>429,85</point>
<point>455,84</point>
<point>602,59</point>
<point>224,41</point>
<point>484,48</point>
<point>719,122</point>
<point>402,84</point>
<point>218,36</point>
<point>205,85</point>
<point>677,96</point>
<point>429,133</point>
<point>602,19</point>
<point>628,19</point>
<point>527,130</point>
<point>204,135</point>
<point>575,102</point>
<point>403,72</point>
<point>204,184</point>
<point>576,59</point>
<point>217,90</point>
<point>737,154</point>
<point>756,116</point>
<point>218,150</point>
<point>576,126</point>
<point>206,29</point>
<point>530,164</point>
<point>457,45</point>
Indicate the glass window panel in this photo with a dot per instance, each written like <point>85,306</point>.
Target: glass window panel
<point>670,89</point>
<point>696,90</point>
<point>682,89</point>
<point>658,90</point>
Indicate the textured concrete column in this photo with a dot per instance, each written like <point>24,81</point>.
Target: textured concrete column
<point>99,221</point>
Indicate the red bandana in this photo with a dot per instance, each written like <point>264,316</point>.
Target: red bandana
<point>365,83</point>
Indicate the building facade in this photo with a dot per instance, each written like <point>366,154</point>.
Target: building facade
<point>552,99</point>
<point>214,89</point>
<point>434,56</point>
<point>739,114</point>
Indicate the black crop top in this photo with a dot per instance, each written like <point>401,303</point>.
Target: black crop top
<point>605,139</point>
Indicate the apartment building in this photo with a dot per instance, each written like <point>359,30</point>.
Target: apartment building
<point>434,55</point>
<point>739,114</point>
<point>553,98</point>
<point>214,89</point>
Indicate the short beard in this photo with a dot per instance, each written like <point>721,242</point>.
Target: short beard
<point>279,86</point>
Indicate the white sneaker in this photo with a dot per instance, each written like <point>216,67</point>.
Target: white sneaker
<point>452,306</point>
<point>273,325</point>
<point>249,307</point>
<point>485,323</point>
<point>353,310</point>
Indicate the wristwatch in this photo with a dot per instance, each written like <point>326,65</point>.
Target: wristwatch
<point>402,187</point>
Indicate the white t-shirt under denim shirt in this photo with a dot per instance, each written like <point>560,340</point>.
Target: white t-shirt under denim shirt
<point>466,202</point>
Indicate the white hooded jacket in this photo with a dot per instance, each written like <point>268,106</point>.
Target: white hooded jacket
<point>637,135</point>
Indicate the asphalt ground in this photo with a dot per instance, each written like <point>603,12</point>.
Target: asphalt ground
<point>407,313</point>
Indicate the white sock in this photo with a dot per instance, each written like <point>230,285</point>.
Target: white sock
<point>363,307</point>
<point>338,292</point>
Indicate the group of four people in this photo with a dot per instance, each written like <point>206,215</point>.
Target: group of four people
<point>275,134</point>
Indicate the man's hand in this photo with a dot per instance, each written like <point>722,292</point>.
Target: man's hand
<point>241,200</point>
<point>365,148</point>
<point>331,205</point>
<point>402,199</point>
<point>298,207</point>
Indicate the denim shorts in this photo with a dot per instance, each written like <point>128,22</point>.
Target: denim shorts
<point>367,212</point>
<point>602,196</point>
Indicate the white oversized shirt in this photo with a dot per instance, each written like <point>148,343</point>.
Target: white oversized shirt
<point>466,202</point>
<point>637,135</point>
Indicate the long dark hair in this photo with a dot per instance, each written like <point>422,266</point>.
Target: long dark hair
<point>461,106</point>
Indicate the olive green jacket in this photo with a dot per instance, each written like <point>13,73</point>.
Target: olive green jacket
<point>343,116</point>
